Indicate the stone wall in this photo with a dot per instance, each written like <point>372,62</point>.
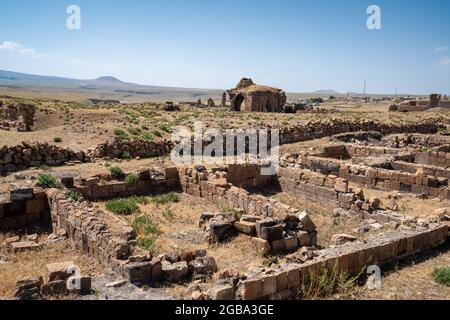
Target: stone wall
<point>151,181</point>
<point>19,117</point>
<point>381,178</point>
<point>25,207</point>
<point>27,155</point>
<point>118,148</point>
<point>351,258</point>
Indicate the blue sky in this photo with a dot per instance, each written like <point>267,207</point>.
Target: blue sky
<point>298,45</point>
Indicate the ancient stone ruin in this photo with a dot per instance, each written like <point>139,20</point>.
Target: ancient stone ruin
<point>435,101</point>
<point>19,117</point>
<point>249,97</point>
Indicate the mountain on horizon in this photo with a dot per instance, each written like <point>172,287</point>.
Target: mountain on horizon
<point>104,87</point>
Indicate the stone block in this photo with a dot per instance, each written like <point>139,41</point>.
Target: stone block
<point>245,227</point>
<point>138,272</point>
<point>261,246</point>
<point>60,271</point>
<point>57,287</point>
<point>251,289</point>
<point>24,246</point>
<point>221,292</point>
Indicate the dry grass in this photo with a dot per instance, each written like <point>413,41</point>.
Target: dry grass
<point>33,263</point>
<point>412,280</point>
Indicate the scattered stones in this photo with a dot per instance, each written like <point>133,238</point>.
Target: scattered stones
<point>60,270</point>
<point>339,239</point>
<point>24,246</point>
<point>28,288</point>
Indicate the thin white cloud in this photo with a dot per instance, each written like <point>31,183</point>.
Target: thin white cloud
<point>17,48</point>
<point>445,62</point>
<point>441,49</point>
<point>77,61</point>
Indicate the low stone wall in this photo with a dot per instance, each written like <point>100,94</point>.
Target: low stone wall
<point>428,170</point>
<point>118,148</point>
<point>350,258</point>
<point>19,117</point>
<point>25,207</point>
<point>433,158</point>
<point>27,155</point>
<point>320,129</point>
<point>247,176</point>
<point>150,181</point>
<point>381,178</point>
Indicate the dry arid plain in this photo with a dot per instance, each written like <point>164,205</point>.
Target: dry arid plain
<point>93,207</point>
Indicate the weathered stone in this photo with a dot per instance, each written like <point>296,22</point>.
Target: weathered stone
<point>174,272</point>
<point>303,239</point>
<point>138,272</point>
<point>272,233</point>
<point>339,239</point>
<point>57,287</point>
<point>24,246</point>
<point>261,246</point>
<point>20,194</point>
<point>251,289</point>
<point>81,284</point>
<point>221,292</point>
<point>60,271</point>
<point>28,288</point>
<point>245,227</point>
<point>306,222</point>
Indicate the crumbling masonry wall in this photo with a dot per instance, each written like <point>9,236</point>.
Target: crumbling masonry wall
<point>19,117</point>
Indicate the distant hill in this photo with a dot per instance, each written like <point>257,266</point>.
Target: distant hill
<point>106,87</point>
<point>326,91</point>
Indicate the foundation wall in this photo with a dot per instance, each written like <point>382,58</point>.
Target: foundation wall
<point>29,209</point>
<point>350,258</point>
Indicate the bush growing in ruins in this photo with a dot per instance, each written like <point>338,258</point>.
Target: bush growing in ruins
<point>73,195</point>
<point>146,230</point>
<point>119,133</point>
<point>326,283</point>
<point>131,178</point>
<point>47,180</point>
<point>442,275</point>
<point>166,198</point>
<point>117,173</point>
<point>125,206</point>
<point>125,155</point>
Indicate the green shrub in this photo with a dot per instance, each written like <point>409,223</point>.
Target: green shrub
<point>134,131</point>
<point>57,139</point>
<point>144,225</point>
<point>73,195</point>
<point>442,275</point>
<point>117,173</point>
<point>166,198</point>
<point>157,133</point>
<point>131,178</point>
<point>121,134</point>
<point>124,206</point>
<point>146,137</point>
<point>146,243</point>
<point>47,180</point>
<point>125,155</point>
<point>165,127</point>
